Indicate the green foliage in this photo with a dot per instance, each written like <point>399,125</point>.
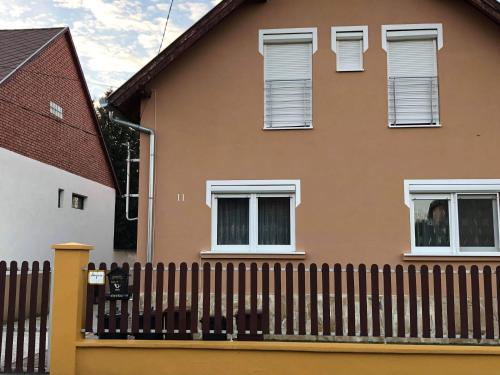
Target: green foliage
<point>116,138</point>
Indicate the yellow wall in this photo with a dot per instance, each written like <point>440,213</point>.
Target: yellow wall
<point>143,357</point>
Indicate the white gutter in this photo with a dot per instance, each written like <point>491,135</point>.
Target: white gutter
<point>151,133</point>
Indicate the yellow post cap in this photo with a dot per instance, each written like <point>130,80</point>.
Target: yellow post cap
<point>72,246</point>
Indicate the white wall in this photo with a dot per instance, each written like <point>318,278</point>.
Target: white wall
<point>30,221</point>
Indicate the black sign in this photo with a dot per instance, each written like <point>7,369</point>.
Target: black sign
<point>118,284</point>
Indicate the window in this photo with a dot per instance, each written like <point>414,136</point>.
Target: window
<point>413,95</point>
<point>253,216</point>
<point>349,43</point>
<point>56,110</point>
<point>287,77</point>
<point>60,197</point>
<point>78,201</point>
<point>462,221</point>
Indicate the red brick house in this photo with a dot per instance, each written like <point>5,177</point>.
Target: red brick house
<point>58,183</point>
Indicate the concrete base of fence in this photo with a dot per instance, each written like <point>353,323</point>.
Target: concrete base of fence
<point>131,357</point>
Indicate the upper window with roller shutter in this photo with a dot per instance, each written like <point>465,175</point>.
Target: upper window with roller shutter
<point>288,77</point>
<point>413,95</point>
<point>349,43</point>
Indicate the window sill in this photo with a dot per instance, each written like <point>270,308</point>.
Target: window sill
<point>460,257</point>
<point>290,128</point>
<point>350,70</point>
<point>246,255</point>
<point>414,126</point>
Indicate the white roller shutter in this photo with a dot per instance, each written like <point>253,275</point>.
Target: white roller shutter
<point>349,55</point>
<point>413,84</point>
<point>288,79</point>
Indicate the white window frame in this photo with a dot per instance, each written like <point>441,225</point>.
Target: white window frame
<point>253,189</point>
<point>451,190</point>
<point>414,31</point>
<point>56,110</point>
<point>289,35</point>
<point>348,29</point>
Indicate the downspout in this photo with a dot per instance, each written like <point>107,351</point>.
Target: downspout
<point>151,133</point>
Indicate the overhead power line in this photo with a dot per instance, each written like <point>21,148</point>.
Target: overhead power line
<point>165,28</point>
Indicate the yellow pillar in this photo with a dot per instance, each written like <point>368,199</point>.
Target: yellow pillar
<point>67,305</point>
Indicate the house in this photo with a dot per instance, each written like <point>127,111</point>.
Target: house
<point>57,182</point>
<point>326,131</point>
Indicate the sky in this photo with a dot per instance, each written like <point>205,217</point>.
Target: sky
<point>113,38</point>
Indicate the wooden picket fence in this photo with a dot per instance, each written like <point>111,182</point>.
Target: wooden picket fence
<point>272,302</point>
<point>24,309</point>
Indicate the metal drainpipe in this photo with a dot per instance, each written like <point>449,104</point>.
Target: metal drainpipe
<point>151,133</point>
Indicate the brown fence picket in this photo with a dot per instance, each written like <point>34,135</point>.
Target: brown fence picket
<point>462,290</point>
<point>412,290</point>
<point>136,294</point>
<point>195,269</point>
<point>426,317</point>
<point>488,302</point>
<point>32,315</point>
<point>240,324</point>
<point>313,285</point>
<point>101,303</point>
<point>337,279</point>
<point>89,307</point>
<point>148,283</point>
<point>160,273</point>
<point>229,297</point>
<point>205,324</point>
<point>450,302</point>
<point>44,312</point>
<point>363,309</point>
<point>171,298</point>
<point>302,298</point>
<point>21,316</point>
<point>218,299</point>
<point>438,302</point>
<point>476,309</point>
<point>265,298</point>
<point>387,301</point>
<point>351,310</point>
<point>289,298</point>
<point>182,298</point>
<point>124,305</point>
<point>400,301</point>
<point>9,338</point>
<point>3,275</point>
<point>277,299</point>
<point>375,301</point>
<point>112,308</point>
<point>253,298</point>
<point>325,289</point>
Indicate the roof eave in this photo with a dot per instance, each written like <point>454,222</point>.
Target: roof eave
<point>129,92</point>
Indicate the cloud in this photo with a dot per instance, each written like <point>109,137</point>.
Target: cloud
<point>195,9</point>
<point>113,38</point>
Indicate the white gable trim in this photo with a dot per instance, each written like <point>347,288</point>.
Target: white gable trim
<point>424,27</point>
<point>304,34</point>
<point>448,186</point>
<point>344,29</point>
<point>249,186</point>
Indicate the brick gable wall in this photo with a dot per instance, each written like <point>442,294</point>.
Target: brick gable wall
<point>28,128</point>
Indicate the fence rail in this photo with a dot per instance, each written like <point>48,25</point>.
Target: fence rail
<point>24,308</point>
<point>256,302</point>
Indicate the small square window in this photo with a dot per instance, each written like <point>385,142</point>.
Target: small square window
<point>56,110</point>
<point>78,201</point>
<point>349,43</point>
